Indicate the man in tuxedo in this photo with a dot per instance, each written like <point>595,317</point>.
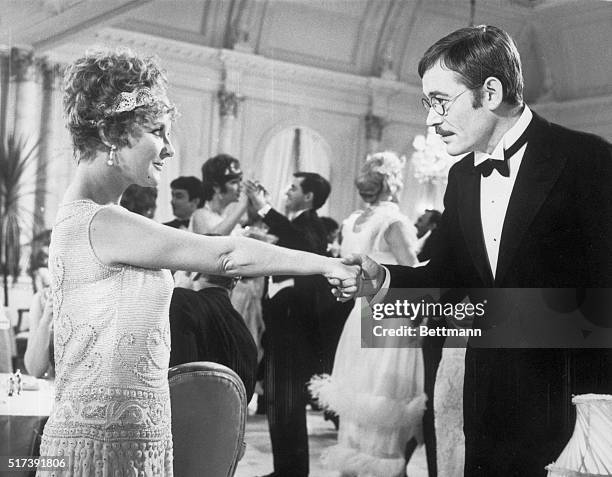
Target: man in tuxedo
<point>301,330</point>
<point>426,226</point>
<point>529,206</point>
<point>187,196</point>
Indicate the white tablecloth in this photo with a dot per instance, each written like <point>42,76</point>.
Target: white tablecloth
<point>21,415</point>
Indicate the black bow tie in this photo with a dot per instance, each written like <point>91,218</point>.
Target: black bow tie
<point>486,168</point>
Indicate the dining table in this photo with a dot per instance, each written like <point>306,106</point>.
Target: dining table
<point>22,416</point>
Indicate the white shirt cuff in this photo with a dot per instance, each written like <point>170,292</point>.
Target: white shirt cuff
<point>264,210</point>
<point>382,291</point>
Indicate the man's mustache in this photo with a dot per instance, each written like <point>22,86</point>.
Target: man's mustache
<point>442,132</point>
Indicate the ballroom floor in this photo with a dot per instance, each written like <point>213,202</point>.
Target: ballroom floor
<point>258,457</point>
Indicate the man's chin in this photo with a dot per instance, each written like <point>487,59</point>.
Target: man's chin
<point>454,149</point>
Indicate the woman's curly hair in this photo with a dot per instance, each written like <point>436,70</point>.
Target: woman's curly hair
<point>384,168</point>
<point>92,84</point>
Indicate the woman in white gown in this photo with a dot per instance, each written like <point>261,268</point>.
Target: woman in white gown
<point>377,392</point>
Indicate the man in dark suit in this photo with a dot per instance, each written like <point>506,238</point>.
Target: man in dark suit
<point>301,328</point>
<point>187,196</point>
<point>426,226</point>
<point>529,206</point>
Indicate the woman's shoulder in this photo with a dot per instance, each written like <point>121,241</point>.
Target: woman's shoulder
<point>391,212</point>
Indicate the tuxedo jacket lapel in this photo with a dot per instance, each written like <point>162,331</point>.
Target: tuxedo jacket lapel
<point>470,220</point>
<point>539,171</point>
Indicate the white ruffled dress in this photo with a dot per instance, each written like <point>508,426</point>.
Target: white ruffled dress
<point>377,392</point>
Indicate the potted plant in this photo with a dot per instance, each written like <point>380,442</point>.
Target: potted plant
<point>18,159</point>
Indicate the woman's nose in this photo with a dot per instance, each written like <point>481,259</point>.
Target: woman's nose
<point>168,150</point>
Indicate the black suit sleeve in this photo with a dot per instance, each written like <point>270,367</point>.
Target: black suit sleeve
<point>304,233</point>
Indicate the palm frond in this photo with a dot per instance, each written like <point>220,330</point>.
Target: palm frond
<point>18,160</point>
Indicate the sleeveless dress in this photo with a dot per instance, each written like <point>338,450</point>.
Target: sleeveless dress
<point>111,414</point>
<point>377,392</point>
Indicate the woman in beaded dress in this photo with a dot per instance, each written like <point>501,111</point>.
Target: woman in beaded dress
<point>377,392</point>
<point>111,284</point>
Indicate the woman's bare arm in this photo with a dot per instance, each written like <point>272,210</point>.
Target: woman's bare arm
<point>121,237</point>
<point>36,358</point>
<point>398,236</point>
<point>201,225</point>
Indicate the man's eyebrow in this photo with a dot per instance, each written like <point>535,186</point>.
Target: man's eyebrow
<point>433,94</point>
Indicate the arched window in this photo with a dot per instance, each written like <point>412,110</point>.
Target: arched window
<point>293,149</point>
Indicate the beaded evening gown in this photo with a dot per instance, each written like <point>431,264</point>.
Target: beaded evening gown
<point>377,392</point>
<point>111,415</point>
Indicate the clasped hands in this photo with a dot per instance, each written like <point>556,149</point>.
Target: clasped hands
<point>255,193</point>
<point>356,275</point>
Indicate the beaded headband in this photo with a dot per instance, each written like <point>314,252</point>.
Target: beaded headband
<point>233,170</point>
<point>128,101</point>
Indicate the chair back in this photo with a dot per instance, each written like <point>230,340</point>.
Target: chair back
<point>209,410</point>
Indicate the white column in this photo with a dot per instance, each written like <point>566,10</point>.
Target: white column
<point>48,128</point>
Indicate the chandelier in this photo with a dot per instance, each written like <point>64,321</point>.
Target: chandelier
<point>430,160</point>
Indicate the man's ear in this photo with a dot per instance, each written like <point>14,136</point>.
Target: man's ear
<point>493,93</point>
<point>309,197</point>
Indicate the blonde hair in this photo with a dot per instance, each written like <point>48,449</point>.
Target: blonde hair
<point>385,168</point>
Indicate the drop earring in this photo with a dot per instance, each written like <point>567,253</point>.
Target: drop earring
<point>111,155</point>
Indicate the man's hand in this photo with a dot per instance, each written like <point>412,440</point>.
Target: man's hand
<point>256,194</point>
<point>369,281</point>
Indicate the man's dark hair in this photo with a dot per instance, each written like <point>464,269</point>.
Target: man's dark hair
<point>435,216</point>
<point>329,224</point>
<point>192,185</point>
<point>138,199</point>
<point>476,53</point>
<point>319,186</point>
<point>217,171</point>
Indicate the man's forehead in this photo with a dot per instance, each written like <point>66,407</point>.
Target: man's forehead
<point>179,191</point>
<point>440,81</point>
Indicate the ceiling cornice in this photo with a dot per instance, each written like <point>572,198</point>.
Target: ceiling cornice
<point>76,19</point>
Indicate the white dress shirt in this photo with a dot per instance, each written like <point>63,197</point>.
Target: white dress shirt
<point>495,190</point>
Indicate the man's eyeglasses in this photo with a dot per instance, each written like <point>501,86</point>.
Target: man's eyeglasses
<point>440,106</point>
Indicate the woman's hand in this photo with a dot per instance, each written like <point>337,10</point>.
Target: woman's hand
<point>344,278</point>
<point>243,201</point>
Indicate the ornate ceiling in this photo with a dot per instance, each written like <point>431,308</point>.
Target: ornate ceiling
<point>562,42</point>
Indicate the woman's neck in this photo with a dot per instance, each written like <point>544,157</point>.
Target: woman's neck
<point>216,204</point>
<point>96,181</point>
<point>381,201</point>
